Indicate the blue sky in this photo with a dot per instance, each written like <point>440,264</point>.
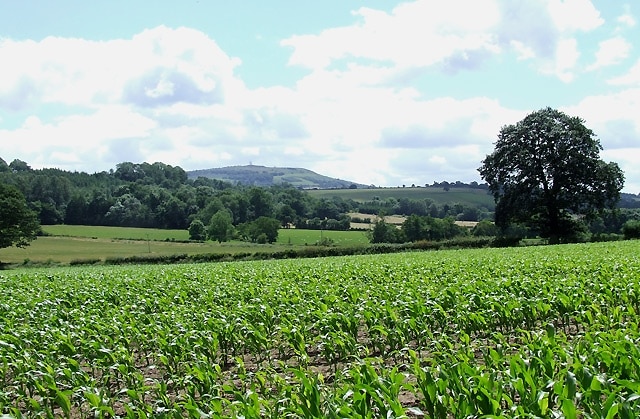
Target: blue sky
<point>377,92</point>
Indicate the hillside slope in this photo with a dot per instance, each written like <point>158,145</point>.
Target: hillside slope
<point>267,176</point>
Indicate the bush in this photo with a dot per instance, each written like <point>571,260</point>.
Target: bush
<point>506,241</point>
<point>485,228</point>
<point>90,261</point>
<point>197,230</point>
<point>631,229</point>
<point>606,237</point>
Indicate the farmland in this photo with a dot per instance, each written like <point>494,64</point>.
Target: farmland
<point>520,332</point>
<point>68,243</point>
<point>468,196</point>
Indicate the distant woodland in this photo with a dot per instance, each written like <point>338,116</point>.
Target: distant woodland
<point>163,196</point>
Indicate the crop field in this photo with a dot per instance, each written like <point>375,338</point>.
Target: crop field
<point>545,332</point>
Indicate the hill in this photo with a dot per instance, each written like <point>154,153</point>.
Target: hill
<point>267,176</point>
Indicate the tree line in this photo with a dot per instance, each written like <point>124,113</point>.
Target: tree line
<point>158,195</point>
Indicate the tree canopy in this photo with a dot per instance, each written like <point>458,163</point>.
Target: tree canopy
<point>18,224</point>
<point>545,171</point>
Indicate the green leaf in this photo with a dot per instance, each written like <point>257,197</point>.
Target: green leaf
<point>569,409</point>
<point>63,401</point>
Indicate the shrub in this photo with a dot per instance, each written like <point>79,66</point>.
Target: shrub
<point>197,230</point>
<point>90,261</point>
<point>631,229</point>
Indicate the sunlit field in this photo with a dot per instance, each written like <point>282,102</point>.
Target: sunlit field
<point>520,332</point>
<point>70,243</point>
<point>105,232</point>
<point>309,237</point>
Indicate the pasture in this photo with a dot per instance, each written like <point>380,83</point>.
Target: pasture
<point>543,332</point>
<point>469,196</point>
<point>64,244</point>
<point>298,237</point>
<point>106,232</point>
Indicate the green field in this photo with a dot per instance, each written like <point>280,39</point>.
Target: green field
<point>543,332</point>
<point>104,232</point>
<point>64,244</point>
<point>469,196</point>
<point>309,237</point>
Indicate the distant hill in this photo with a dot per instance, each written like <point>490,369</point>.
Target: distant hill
<point>267,176</point>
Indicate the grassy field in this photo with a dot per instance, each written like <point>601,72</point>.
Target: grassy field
<point>69,243</point>
<point>309,237</point>
<point>103,232</point>
<point>66,249</point>
<point>475,197</point>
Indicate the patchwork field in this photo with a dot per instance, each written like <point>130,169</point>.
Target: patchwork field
<point>467,196</point>
<point>523,332</point>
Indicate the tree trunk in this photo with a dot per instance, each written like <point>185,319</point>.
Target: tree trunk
<point>554,224</point>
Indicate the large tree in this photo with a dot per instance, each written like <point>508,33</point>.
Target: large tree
<point>18,224</point>
<point>546,172</point>
<point>220,226</point>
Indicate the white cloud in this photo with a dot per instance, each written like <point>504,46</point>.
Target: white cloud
<point>172,65</point>
<point>547,33</point>
<point>627,158</point>
<point>437,160</point>
<point>564,62</point>
<point>626,19</point>
<point>612,117</point>
<point>632,77</point>
<point>382,46</point>
<point>524,52</point>
<point>171,95</point>
<point>610,52</point>
<point>416,34</point>
<point>574,15</point>
<point>250,151</point>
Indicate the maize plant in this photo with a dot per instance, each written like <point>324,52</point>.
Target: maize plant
<point>544,332</point>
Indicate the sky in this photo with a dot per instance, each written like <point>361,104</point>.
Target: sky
<point>377,92</point>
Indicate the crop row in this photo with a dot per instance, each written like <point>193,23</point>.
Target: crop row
<point>541,332</point>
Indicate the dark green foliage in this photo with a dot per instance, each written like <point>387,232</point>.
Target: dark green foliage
<point>148,195</point>
<point>19,166</point>
<point>161,196</point>
<point>343,223</point>
<point>262,230</point>
<point>417,228</point>
<point>468,211</point>
<point>151,259</point>
<point>221,226</point>
<point>545,170</point>
<point>485,228</point>
<point>260,203</point>
<point>18,224</point>
<point>197,230</point>
<point>383,232</point>
<point>127,211</point>
<point>631,229</point>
